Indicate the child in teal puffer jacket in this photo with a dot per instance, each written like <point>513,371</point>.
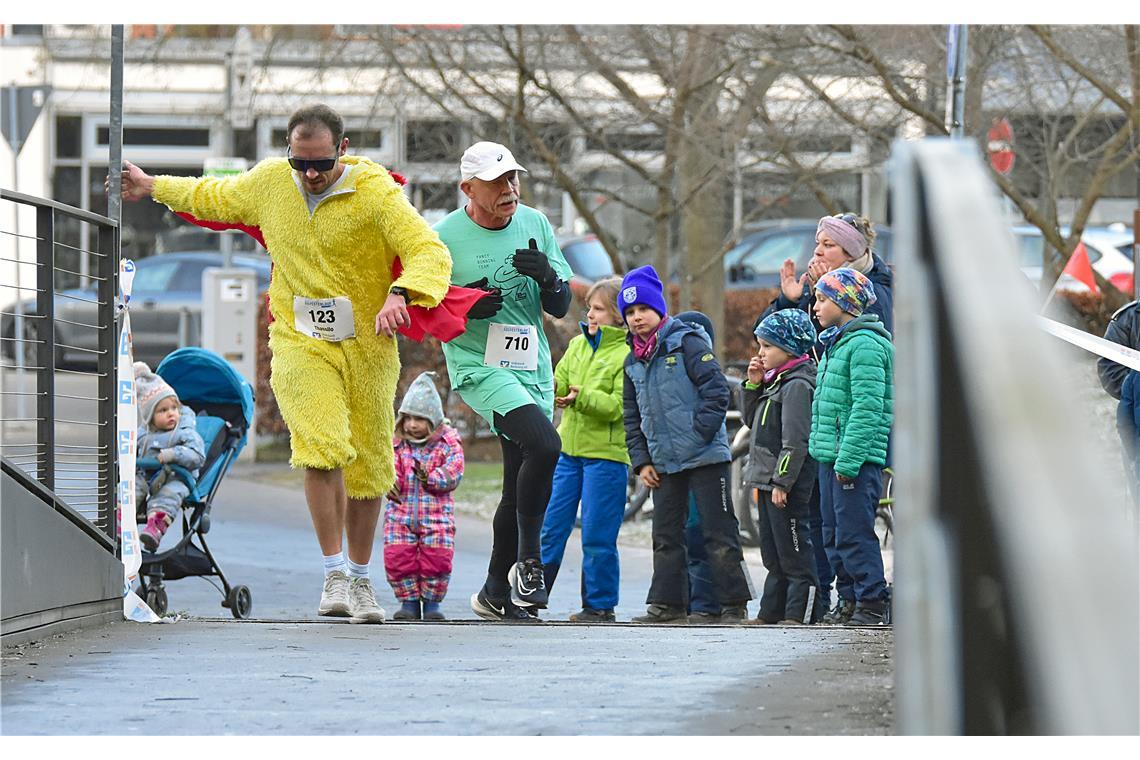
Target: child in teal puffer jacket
<point>850,423</point>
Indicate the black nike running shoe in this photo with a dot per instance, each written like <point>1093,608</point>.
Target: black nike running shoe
<point>528,588</point>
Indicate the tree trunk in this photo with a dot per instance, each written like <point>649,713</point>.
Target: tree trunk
<point>704,209</point>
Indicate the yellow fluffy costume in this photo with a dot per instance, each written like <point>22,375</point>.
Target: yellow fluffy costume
<point>335,397</point>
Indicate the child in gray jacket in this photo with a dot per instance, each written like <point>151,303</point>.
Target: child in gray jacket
<point>777,405</point>
<point>167,433</point>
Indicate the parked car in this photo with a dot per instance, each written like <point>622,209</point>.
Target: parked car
<point>588,261</point>
<point>1109,249</point>
<point>166,308</point>
<point>756,260</point>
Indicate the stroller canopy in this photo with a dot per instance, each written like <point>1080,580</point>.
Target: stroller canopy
<point>201,375</point>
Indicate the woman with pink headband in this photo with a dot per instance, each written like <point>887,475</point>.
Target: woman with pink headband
<point>843,240</point>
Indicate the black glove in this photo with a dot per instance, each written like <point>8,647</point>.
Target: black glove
<point>487,306</point>
<point>534,264</point>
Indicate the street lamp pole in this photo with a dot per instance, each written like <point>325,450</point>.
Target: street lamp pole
<point>957,43</point>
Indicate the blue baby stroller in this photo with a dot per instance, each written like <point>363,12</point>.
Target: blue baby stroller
<point>223,403</point>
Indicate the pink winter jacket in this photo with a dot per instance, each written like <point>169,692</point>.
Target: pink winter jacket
<point>442,459</point>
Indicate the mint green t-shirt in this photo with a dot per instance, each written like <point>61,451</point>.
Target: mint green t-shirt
<point>476,253</point>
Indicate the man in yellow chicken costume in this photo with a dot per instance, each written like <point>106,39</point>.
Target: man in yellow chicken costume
<point>334,224</point>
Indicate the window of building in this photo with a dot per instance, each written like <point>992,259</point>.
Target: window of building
<point>773,195</point>
<point>144,223</point>
<point>69,136</point>
<point>245,144</point>
<point>434,197</point>
<point>432,141</point>
<point>165,136</point>
<point>822,143</point>
<point>67,187</point>
<point>359,140</point>
<point>557,137</point>
<point>625,142</point>
<point>364,139</point>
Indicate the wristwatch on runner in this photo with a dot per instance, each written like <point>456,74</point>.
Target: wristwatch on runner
<point>396,290</point>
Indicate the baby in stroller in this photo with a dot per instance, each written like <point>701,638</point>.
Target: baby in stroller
<point>166,433</point>
<point>209,396</point>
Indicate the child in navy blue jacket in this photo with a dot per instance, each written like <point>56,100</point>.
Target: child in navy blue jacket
<point>675,400</point>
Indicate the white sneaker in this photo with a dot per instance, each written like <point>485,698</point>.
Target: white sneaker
<point>362,602</point>
<point>334,599</point>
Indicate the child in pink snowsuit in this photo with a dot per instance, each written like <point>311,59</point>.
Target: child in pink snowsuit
<point>419,520</point>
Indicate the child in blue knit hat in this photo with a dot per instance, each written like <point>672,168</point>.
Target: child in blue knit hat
<point>777,403</point>
<point>850,424</point>
<point>675,399</point>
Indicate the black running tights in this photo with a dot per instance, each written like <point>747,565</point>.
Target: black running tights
<point>530,447</point>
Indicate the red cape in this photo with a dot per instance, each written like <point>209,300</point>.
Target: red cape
<point>444,322</point>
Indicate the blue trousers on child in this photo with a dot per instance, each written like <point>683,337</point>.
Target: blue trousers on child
<point>848,512</point>
<point>599,484</point>
<point>822,564</point>
<point>702,592</point>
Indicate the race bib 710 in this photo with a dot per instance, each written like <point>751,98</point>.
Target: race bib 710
<point>511,346</point>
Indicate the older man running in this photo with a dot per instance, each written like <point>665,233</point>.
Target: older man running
<point>501,365</point>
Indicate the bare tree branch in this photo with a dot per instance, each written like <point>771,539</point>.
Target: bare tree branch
<point>1088,74</point>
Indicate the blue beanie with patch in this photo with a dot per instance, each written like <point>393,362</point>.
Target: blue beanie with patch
<point>788,329</point>
<point>642,286</point>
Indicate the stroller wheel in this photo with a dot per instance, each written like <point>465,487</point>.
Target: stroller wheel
<point>156,600</point>
<point>240,601</point>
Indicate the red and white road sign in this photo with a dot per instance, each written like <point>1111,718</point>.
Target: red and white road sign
<point>999,146</point>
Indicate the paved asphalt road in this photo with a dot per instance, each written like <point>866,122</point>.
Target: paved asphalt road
<point>289,672</point>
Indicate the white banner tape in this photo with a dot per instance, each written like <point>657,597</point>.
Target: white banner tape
<point>1112,351</point>
<point>134,608</point>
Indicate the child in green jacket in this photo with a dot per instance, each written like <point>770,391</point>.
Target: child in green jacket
<point>593,467</point>
<point>850,422</point>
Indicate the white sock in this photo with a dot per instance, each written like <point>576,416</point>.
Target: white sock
<point>335,562</point>
<point>357,571</point>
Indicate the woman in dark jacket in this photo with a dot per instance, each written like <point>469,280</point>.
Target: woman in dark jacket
<point>843,240</point>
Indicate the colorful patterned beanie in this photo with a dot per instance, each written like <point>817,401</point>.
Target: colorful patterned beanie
<point>850,289</point>
<point>788,329</point>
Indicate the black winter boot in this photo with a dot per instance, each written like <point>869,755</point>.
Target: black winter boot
<point>841,613</point>
<point>872,612</point>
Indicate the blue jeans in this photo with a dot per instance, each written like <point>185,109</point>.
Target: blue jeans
<point>848,512</point>
<point>599,484</point>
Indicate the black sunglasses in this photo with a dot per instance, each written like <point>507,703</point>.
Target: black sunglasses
<point>304,164</point>
<point>853,220</point>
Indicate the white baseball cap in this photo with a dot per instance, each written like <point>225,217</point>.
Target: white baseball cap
<point>487,161</point>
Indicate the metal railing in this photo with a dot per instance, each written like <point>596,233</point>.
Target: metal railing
<point>1015,605</point>
<point>57,423</point>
